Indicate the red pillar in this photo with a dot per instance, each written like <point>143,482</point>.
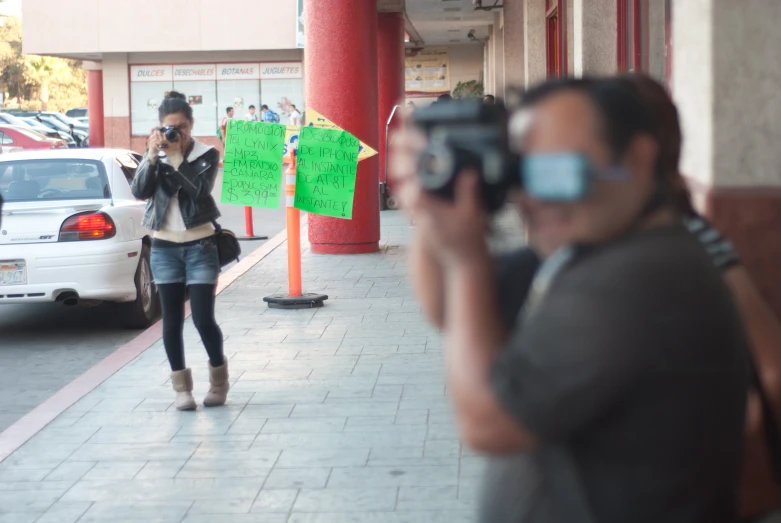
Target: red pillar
<point>340,59</point>
<point>390,53</point>
<point>95,108</point>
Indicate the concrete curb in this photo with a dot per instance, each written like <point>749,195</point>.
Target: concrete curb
<point>36,420</point>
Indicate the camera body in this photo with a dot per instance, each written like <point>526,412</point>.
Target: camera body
<point>467,135</point>
<point>473,135</point>
<point>170,133</point>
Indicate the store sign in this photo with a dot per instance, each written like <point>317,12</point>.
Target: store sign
<point>151,73</point>
<point>427,71</point>
<point>238,71</point>
<point>281,70</point>
<point>191,73</point>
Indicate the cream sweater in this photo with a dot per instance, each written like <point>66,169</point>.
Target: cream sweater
<point>173,228</point>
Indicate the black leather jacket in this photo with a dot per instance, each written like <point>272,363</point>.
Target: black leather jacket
<point>193,181</point>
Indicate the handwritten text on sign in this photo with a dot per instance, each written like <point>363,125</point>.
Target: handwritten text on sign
<point>253,164</point>
<point>325,175</point>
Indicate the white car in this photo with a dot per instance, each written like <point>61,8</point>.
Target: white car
<point>70,232</point>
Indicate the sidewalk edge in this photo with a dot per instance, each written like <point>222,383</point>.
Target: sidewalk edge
<point>12,438</point>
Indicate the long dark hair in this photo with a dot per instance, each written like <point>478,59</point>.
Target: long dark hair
<point>668,135</point>
<point>623,116</point>
<point>175,103</point>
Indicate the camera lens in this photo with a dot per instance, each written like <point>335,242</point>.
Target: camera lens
<point>172,134</point>
<point>436,168</point>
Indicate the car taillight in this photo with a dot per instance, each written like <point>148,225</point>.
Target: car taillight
<point>90,226</point>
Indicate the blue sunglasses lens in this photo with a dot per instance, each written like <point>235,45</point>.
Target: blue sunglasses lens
<point>555,177</point>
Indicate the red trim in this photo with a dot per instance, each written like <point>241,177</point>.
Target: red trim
<point>563,37</point>
<point>550,58</point>
<point>632,56</point>
<point>556,9</point>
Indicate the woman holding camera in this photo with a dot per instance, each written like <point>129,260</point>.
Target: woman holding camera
<point>181,211</point>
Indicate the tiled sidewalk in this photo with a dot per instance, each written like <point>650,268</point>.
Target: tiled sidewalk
<point>336,415</point>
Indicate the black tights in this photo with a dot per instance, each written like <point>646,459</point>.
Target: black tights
<point>202,305</point>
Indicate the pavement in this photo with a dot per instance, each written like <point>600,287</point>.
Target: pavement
<point>337,414</point>
<point>44,347</point>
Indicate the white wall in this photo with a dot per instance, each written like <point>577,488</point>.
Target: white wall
<point>534,41</point>
<point>116,85</point>
<point>65,27</point>
<point>466,63</point>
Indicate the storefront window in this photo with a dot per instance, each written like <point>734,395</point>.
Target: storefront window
<point>238,86</point>
<point>239,94</point>
<point>199,84</point>
<point>280,94</point>
<point>282,85</point>
<point>211,88</point>
<point>643,37</point>
<point>148,85</point>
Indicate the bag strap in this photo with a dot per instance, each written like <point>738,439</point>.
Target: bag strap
<point>217,226</point>
<point>770,422</point>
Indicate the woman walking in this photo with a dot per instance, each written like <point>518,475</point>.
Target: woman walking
<point>181,211</point>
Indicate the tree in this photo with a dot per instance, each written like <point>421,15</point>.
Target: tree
<point>42,72</point>
<point>12,67</point>
<point>470,89</point>
<point>38,82</point>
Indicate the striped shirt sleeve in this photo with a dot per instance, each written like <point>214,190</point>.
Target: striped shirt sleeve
<point>721,251</point>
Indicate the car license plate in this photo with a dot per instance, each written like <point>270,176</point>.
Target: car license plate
<point>13,273</point>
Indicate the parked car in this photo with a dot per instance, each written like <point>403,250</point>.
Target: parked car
<point>65,120</point>
<point>27,139</point>
<point>72,232</point>
<point>83,119</point>
<point>44,129</point>
<point>79,112</point>
<point>57,125</point>
<point>11,119</point>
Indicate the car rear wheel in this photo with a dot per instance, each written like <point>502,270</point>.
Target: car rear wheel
<point>142,312</point>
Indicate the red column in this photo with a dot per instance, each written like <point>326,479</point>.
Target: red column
<point>390,53</point>
<point>95,108</point>
<point>340,59</point>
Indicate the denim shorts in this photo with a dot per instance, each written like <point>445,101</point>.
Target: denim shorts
<point>194,263</point>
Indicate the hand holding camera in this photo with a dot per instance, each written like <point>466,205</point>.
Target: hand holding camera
<point>452,230</point>
<point>166,138</point>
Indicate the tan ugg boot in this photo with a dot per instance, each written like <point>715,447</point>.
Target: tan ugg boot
<point>182,381</point>
<point>218,391</point>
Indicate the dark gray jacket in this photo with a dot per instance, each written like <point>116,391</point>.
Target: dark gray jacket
<point>193,181</point>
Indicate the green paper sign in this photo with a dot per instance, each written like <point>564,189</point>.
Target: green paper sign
<point>252,175</point>
<point>327,162</point>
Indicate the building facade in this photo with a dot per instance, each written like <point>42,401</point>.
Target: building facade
<point>219,54</point>
<point>717,57</point>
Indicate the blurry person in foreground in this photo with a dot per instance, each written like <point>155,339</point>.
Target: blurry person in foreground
<point>760,489</point>
<point>611,386</point>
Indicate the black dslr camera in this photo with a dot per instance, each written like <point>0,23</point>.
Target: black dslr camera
<point>170,133</point>
<point>467,134</point>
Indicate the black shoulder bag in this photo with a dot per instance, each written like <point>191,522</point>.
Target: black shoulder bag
<point>228,247</point>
